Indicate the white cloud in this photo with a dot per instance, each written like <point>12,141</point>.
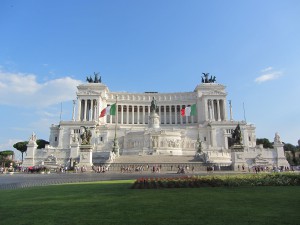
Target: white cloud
<point>267,69</point>
<point>23,89</point>
<point>267,75</point>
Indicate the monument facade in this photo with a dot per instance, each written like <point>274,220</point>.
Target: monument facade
<point>151,123</point>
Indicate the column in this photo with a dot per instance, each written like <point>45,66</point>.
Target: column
<point>132,114</point>
<point>175,114</point>
<point>139,108</point>
<point>85,108</point>
<point>95,111</point>
<point>170,114</point>
<point>121,114</point>
<point>127,114</point>
<point>144,114</point>
<point>213,110</point>
<point>92,110</point>
<point>218,110</point>
<point>79,109</point>
<point>206,109</point>
<point>165,114</point>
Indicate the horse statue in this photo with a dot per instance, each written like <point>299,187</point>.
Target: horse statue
<point>237,135</point>
<point>153,106</point>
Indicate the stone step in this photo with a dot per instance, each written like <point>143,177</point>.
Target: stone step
<point>155,159</point>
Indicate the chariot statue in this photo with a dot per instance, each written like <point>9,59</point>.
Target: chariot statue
<point>95,80</point>
<point>206,79</point>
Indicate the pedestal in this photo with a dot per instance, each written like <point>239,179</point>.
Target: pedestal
<point>281,159</point>
<point>85,155</point>
<point>154,120</point>
<point>237,157</point>
<point>74,150</point>
<point>30,156</point>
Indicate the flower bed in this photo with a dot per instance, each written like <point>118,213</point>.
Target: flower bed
<point>276,179</point>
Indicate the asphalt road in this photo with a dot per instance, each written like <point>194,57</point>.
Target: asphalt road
<point>24,180</point>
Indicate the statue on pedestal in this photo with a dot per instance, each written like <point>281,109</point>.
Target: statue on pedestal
<point>154,121</point>
<point>237,135</point>
<point>277,138</point>
<point>32,138</point>
<point>153,106</point>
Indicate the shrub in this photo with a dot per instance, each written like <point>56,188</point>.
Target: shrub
<point>275,179</point>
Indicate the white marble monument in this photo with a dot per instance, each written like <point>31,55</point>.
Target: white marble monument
<point>151,123</point>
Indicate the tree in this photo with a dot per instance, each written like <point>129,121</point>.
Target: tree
<point>41,143</point>
<point>289,147</point>
<point>4,157</point>
<point>265,142</point>
<point>292,149</point>
<point>21,146</point>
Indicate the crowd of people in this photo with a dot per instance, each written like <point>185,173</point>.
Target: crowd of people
<point>100,169</point>
<point>139,168</point>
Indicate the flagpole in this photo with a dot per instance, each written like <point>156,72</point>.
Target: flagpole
<point>116,122</point>
<point>115,142</point>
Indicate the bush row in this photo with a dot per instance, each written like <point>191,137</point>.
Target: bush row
<point>275,179</point>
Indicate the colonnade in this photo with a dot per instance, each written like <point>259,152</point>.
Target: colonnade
<point>88,110</point>
<point>215,110</point>
<point>139,114</point>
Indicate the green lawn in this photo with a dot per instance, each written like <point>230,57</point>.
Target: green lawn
<point>113,202</point>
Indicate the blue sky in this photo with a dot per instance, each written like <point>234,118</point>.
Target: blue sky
<point>49,47</point>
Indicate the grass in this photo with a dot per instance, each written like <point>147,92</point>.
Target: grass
<point>113,202</point>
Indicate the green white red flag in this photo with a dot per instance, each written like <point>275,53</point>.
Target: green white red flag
<point>189,110</point>
<point>109,110</point>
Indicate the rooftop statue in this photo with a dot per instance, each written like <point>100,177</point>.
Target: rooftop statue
<point>95,80</point>
<point>206,79</point>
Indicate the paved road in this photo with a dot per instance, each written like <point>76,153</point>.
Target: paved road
<point>19,180</point>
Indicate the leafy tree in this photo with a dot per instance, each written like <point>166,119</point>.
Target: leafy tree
<point>6,153</point>
<point>291,148</point>
<point>41,143</point>
<point>265,142</point>
<point>21,146</point>
<point>4,160</point>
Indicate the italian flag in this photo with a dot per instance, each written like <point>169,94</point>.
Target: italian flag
<point>189,111</point>
<point>109,110</point>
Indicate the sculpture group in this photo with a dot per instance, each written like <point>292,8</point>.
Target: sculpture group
<point>86,136</point>
<point>205,78</point>
<point>95,80</point>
